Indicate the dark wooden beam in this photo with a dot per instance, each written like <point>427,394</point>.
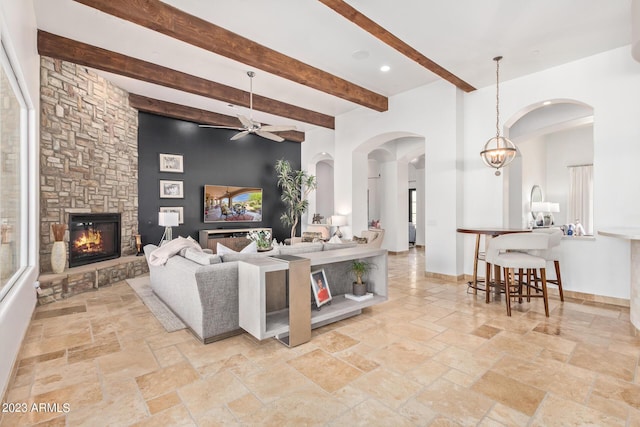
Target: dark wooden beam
<point>173,22</point>
<point>91,56</point>
<point>182,112</point>
<point>385,36</point>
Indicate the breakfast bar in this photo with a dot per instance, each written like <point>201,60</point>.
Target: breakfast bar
<point>633,235</point>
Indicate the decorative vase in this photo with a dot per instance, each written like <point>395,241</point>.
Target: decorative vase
<point>359,289</point>
<point>58,257</point>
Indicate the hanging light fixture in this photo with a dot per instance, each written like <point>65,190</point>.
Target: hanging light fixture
<point>498,151</point>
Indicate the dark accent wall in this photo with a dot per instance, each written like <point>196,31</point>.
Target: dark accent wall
<point>209,158</point>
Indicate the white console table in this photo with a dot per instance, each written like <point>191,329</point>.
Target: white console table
<point>292,324</point>
<point>633,235</point>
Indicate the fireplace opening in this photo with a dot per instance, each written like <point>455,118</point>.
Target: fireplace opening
<point>93,238</point>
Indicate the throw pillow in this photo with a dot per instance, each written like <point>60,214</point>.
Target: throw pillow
<point>335,239</point>
<point>311,236</point>
<point>201,257</point>
<point>360,240</point>
<point>251,248</point>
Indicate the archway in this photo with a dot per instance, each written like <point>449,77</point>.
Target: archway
<point>381,183</point>
<point>553,137</point>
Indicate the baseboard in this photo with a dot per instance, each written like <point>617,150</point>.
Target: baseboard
<point>602,299</point>
<point>398,252</point>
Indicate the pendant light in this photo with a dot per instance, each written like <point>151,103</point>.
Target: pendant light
<point>498,151</point>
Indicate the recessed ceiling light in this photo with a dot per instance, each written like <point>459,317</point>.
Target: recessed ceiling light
<point>360,54</point>
<point>385,68</point>
<point>545,103</point>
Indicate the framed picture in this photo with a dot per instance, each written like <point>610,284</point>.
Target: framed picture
<point>171,189</point>
<point>171,163</point>
<point>320,287</point>
<point>177,209</point>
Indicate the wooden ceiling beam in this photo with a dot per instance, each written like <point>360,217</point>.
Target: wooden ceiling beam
<point>91,56</point>
<point>173,22</point>
<point>182,112</point>
<point>385,36</point>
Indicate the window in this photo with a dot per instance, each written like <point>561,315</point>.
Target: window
<point>13,177</point>
<point>581,196</point>
<point>413,205</point>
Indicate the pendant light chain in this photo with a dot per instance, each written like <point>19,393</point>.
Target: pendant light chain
<point>497,59</point>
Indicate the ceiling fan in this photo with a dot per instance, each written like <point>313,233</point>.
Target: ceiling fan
<point>251,126</point>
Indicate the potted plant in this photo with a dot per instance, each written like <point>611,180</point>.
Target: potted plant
<point>296,186</point>
<point>359,268</point>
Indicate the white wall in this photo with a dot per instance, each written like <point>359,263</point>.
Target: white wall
<point>607,82</point>
<point>18,33</point>
<point>431,112</point>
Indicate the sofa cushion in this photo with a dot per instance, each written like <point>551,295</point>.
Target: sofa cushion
<point>301,248</point>
<point>330,246</point>
<point>239,256</point>
<point>201,257</point>
<point>251,248</point>
<point>361,240</point>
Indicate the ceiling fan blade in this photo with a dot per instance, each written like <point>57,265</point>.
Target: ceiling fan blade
<point>239,135</point>
<point>269,135</point>
<point>220,127</point>
<point>247,123</point>
<point>274,128</point>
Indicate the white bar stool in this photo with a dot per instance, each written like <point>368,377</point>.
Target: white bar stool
<point>509,252</point>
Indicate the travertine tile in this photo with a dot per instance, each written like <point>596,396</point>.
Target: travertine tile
<point>334,341</point>
<point>160,403</point>
<point>211,392</point>
<point>557,411</point>
<point>326,371</point>
<point>374,413</point>
<point>422,358</point>
<point>387,386</point>
<point>604,361</point>
<point>307,406</point>
<point>458,403</point>
<point>163,380</point>
<point>512,393</point>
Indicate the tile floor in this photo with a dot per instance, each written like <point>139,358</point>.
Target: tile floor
<point>433,355</point>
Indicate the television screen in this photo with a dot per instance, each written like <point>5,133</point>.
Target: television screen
<point>224,203</point>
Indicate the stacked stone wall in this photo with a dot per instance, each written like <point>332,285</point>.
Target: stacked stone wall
<point>88,151</point>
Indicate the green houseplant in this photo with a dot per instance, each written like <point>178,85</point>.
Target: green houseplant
<point>296,186</point>
<point>360,268</point>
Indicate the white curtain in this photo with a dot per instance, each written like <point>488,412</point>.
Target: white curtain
<point>581,196</point>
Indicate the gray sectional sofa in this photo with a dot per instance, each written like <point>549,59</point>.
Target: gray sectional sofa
<point>202,289</point>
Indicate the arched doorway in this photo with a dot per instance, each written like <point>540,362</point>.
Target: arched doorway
<point>555,142</point>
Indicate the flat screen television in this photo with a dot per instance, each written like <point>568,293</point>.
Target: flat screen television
<point>225,203</point>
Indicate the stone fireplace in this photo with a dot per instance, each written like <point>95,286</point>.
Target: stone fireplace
<point>88,170</point>
<point>93,238</point>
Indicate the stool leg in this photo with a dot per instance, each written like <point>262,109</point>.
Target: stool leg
<point>543,274</point>
<point>520,276</point>
<point>507,285</point>
<point>556,264</point>
<point>530,275</point>
<point>475,265</point>
<point>487,282</point>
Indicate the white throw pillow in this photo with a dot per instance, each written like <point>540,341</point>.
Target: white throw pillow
<point>221,249</point>
<point>335,239</point>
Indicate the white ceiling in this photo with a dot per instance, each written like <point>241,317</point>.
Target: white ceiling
<point>462,36</point>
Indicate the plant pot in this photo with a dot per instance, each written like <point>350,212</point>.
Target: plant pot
<point>359,289</point>
<point>58,257</point>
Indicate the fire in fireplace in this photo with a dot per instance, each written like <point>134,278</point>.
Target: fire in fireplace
<point>93,238</point>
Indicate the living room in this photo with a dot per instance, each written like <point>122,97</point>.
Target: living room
<point>437,120</point>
